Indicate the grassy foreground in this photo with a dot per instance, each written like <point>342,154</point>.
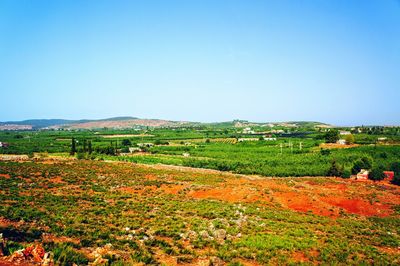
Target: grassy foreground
<point>122,213</point>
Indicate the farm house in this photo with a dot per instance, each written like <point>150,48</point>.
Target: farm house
<point>389,175</point>
<point>4,144</point>
<point>362,175</point>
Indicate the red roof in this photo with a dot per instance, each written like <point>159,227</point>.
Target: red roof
<point>389,175</point>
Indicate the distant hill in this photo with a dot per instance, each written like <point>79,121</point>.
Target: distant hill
<point>131,122</point>
<point>113,122</point>
<point>38,123</point>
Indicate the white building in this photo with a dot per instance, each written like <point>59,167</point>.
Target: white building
<point>133,149</point>
<point>248,130</point>
<point>247,139</point>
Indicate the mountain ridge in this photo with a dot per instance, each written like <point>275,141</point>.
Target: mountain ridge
<point>121,122</point>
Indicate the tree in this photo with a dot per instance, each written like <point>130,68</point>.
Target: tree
<point>363,163</point>
<point>376,173</point>
<point>332,136</point>
<point>325,151</point>
<point>90,149</point>
<point>126,142</point>
<point>84,145</point>
<point>73,147</point>
<point>334,170</point>
<point>349,139</point>
<point>395,167</point>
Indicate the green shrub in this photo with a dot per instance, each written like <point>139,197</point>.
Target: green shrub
<point>376,173</point>
<point>325,152</point>
<point>64,254</point>
<point>346,173</point>
<point>363,163</point>
<point>334,170</point>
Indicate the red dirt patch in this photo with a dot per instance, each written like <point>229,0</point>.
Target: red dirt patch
<point>139,191</point>
<point>359,206</point>
<point>5,223</point>
<point>320,196</point>
<point>231,194</point>
<point>6,176</point>
<point>389,250</point>
<point>299,257</point>
<point>59,239</point>
<point>57,180</point>
<point>172,189</point>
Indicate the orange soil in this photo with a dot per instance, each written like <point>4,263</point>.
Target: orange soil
<point>321,196</point>
<point>337,146</point>
<point>5,262</point>
<point>7,176</point>
<point>59,239</point>
<point>172,189</point>
<point>4,223</point>
<point>300,257</point>
<point>57,180</point>
<point>327,198</point>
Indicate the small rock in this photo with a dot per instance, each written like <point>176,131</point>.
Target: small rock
<point>204,234</point>
<point>220,234</point>
<point>215,261</point>
<point>192,234</point>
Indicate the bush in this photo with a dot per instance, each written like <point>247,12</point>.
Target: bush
<point>160,142</point>
<point>10,247</point>
<point>346,173</point>
<point>325,152</point>
<point>363,163</point>
<point>126,142</point>
<point>80,156</point>
<point>349,139</point>
<point>396,179</point>
<point>331,136</point>
<point>66,255</point>
<point>395,167</point>
<point>125,150</point>
<point>334,170</point>
<point>376,173</point>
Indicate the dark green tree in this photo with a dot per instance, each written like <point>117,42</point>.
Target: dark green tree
<point>84,145</point>
<point>395,167</point>
<point>126,142</point>
<point>90,149</point>
<point>363,163</point>
<point>376,173</point>
<point>334,170</point>
<point>332,136</point>
<point>325,151</point>
<point>73,147</point>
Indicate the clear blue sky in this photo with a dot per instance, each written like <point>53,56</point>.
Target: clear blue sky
<point>333,61</point>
